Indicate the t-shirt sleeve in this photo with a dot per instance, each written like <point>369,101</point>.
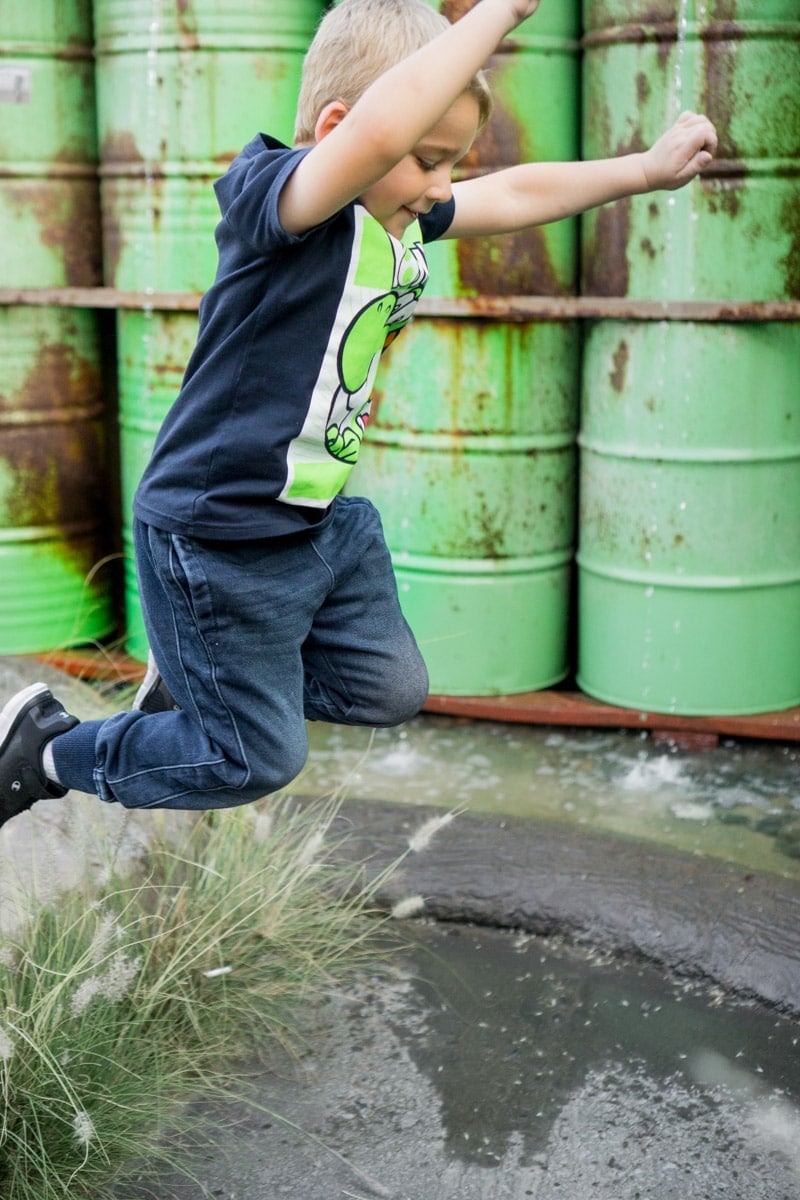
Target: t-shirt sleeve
<point>248,196</point>
<point>436,222</point>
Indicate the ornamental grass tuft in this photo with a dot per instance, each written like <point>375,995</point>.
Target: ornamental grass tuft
<point>118,1006</point>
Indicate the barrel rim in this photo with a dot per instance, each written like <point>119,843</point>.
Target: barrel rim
<point>432,565</point>
<point>668,31</point>
<point>686,581</point>
<point>713,456</point>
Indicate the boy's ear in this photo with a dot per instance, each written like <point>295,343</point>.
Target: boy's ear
<point>332,114</point>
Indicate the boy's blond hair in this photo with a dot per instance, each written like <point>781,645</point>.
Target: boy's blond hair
<point>359,40</point>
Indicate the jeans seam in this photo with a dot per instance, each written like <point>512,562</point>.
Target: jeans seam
<point>175,554</point>
<point>325,563</point>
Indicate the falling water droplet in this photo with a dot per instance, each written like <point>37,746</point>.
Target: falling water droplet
<point>680,57</point>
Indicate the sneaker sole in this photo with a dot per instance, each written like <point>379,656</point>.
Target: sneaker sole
<point>153,696</point>
<point>147,684</point>
<point>15,707</point>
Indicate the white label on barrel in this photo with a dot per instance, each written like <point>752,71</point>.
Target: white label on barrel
<point>15,85</point>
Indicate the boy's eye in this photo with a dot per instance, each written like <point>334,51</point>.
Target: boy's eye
<point>426,166</point>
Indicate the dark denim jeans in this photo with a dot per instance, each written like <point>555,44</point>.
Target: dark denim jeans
<point>252,639</point>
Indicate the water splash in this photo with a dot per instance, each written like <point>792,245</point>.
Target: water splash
<point>682,31</point>
<point>679,236</point>
<point>146,248</point>
<point>150,165</point>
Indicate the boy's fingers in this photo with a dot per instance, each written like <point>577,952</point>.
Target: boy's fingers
<point>698,162</point>
<point>695,164</point>
<point>702,133</point>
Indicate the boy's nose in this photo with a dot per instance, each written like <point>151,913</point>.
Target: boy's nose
<point>440,187</point>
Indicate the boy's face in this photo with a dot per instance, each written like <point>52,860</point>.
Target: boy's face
<point>423,177</point>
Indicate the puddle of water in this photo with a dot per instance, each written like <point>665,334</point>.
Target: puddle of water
<point>580,1043</point>
<point>495,1067</point>
<point>739,802</point>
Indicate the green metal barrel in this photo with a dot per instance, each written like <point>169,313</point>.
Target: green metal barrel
<point>152,351</point>
<point>470,453</point>
<point>689,541</point>
<point>735,235</point>
<point>54,580</point>
<point>182,85</point>
<point>471,461</point>
<point>690,517</point>
<point>55,584</point>
<point>48,145</point>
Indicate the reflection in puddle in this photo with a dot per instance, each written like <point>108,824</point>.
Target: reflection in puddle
<point>604,1075</point>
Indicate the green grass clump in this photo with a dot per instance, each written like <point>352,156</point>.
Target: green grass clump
<point>116,1007</point>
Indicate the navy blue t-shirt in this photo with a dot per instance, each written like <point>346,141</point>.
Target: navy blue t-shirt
<point>271,412</point>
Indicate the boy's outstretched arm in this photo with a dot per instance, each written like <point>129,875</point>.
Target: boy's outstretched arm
<point>357,147</point>
<point>536,193</point>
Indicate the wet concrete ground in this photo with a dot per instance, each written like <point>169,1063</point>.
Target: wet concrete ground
<point>501,1064</point>
<point>738,802</point>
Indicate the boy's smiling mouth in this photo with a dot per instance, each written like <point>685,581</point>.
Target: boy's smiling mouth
<point>415,213</point>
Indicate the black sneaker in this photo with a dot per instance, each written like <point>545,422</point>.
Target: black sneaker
<point>27,723</point>
<point>154,696</point>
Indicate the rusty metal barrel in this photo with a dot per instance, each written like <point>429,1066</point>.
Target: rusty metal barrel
<point>55,585</point>
<point>689,545</point>
<point>182,86</point>
<point>470,453</point>
<point>734,235</point>
<point>48,145</point>
<point>471,461</point>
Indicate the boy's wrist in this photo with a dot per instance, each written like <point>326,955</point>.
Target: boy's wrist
<point>640,175</point>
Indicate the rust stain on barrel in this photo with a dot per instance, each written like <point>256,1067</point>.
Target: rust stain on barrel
<point>518,263</point>
<point>121,147</point>
<point>55,457</point>
<point>454,9</point>
<point>620,363</point>
<point>719,94</point>
<point>70,228</point>
<point>607,268</point>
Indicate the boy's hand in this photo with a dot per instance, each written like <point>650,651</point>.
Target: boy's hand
<point>522,9</point>
<point>680,153</point>
<point>518,10</point>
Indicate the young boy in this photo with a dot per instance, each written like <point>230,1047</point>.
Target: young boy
<point>269,598</point>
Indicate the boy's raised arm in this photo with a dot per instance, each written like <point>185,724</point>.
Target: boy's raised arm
<point>536,193</point>
<point>393,114</point>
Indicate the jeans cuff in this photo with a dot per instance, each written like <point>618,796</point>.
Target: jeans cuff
<point>74,757</point>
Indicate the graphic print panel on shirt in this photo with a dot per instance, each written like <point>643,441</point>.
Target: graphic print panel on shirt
<point>384,281</point>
